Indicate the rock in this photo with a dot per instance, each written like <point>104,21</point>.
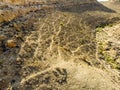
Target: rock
<point>2,37</point>
<point>11,43</point>
<point>118,61</point>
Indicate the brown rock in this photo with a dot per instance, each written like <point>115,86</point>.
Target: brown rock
<point>11,43</point>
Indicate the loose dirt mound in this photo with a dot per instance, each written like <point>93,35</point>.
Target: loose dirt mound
<point>54,48</point>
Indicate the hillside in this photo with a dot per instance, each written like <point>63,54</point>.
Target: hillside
<point>19,2</point>
<point>115,5</point>
<point>57,46</point>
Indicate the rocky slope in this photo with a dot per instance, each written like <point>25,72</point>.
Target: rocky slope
<point>53,47</point>
<point>44,1</point>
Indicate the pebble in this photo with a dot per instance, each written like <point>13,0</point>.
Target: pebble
<point>11,43</point>
<point>2,37</point>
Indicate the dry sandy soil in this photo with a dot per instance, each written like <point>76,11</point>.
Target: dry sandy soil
<point>59,47</point>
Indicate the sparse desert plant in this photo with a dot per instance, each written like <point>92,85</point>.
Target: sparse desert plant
<point>98,29</point>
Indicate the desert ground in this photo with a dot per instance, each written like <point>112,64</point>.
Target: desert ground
<point>58,45</point>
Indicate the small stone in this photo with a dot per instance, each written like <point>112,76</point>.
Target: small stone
<point>2,37</point>
<point>18,62</point>
<point>118,61</point>
<point>11,44</point>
